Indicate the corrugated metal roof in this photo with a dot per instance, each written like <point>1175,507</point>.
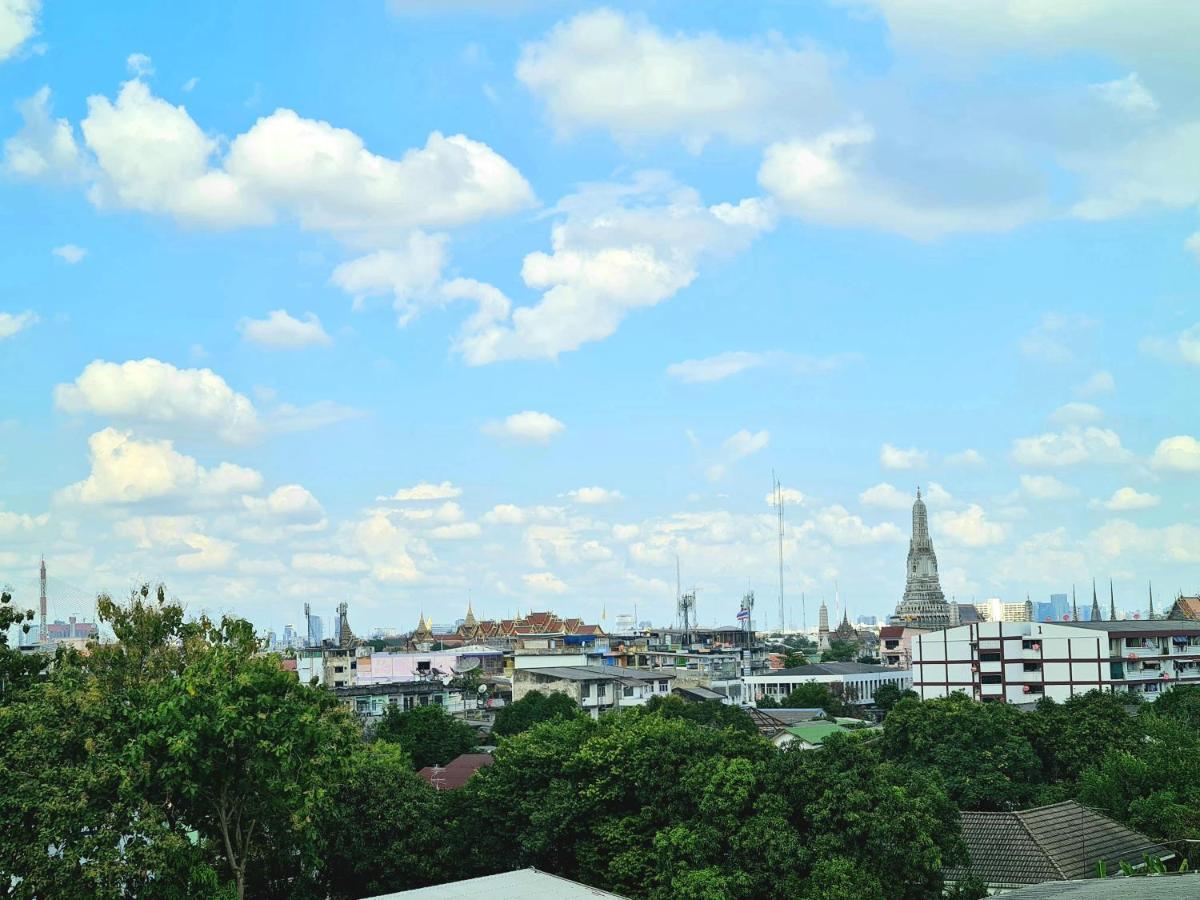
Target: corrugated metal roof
<point>836,668</point>
<point>596,673</point>
<point>524,884</point>
<point>1048,843</point>
<point>1164,887</point>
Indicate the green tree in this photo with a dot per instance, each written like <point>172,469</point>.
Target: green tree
<point>531,709</point>
<point>428,734</point>
<point>839,878</point>
<point>979,749</point>
<point>711,713</point>
<point>814,695</point>
<point>793,659</point>
<point>889,695</point>
<point>767,702</point>
<point>1073,735</point>
<point>17,669</point>
<point>383,833</point>
<point>840,651</point>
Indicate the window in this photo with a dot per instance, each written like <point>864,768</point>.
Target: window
<point>1031,645</point>
<point>423,667</point>
<point>992,678</point>
<point>601,691</point>
<point>989,656</point>
<point>627,690</point>
<point>339,669</point>
<point>585,690</point>
<point>392,701</point>
<point>662,687</point>
<point>1034,689</point>
<point>1033,667</point>
<point>363,706</point>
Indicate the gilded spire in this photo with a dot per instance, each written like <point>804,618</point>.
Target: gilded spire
<point>1112,603</point>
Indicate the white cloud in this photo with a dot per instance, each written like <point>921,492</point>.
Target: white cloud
<point>526,427</point>
<point>544,583</point>
<point>844,529</point>
<point>1119,538</point>
<point>1180,453</point>
<point>139,65</point>
<point>70,253</point>
<point>286,417</point>
<point>885,495</point>
<point>1128,498</point>
<point>11,523</point>
<point>410,273</point>
<point>1072,446</point>
<point>457,532</point>
<point>725,365</point>
<point>791,497</point>
<point>1185,347</point>
<point>328,564</point>
<point>127,470</point>
<point>896,458</point>
<point>290,502</point>
<point>1128,94</point>
<point>1046,487</point>
<point>11,323</point>
<point>1076,414</point>
<point>209,554</point>
<point>745,443</point>
<point>505,514</point>
<point>1054,338</point>
<point>389,548</point>
<point>602,69</point>
<point>151,391</point>
<point>427,491</point>
<point>619,248</point>
<point>280,331</point>
<point>847,177</point>
<point>1099,383</point>
<point>593,495</point>
<point>190,85</point>
<point>153,157</point>
<point>969,527</point>
<point>968,457</point>
<point>18,23</point>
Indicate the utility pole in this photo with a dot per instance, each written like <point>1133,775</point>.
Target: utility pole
<point>778,488</point>
<point>43,638</point>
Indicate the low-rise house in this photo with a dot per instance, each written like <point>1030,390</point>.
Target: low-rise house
<point>1062,841</point>
<point>372,700</point>
<point>1173,886</point>
<point>895,645</point>
<point>596,689</point>
<point>853,682</point>
<point>810,735</point>
<point>455,773</point>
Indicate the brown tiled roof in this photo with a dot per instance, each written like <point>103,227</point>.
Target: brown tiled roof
<point>456,772</point>
<point>1185,608</point>
<point>891,631</point>
<point>1048,843</point>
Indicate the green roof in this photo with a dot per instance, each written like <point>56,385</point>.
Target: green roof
<point>815,732</point>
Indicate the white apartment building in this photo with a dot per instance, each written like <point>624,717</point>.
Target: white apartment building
<point>1021,662</point>
<point>596,689</point>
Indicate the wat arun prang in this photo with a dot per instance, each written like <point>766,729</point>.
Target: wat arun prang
<point>924,605</point>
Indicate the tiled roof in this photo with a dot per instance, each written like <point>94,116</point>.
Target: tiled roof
<point>1186,608</point>
<point>891,631</point>
<point>456,772</point>
<point>597,673</point>
<point>1166,887</point>
<point>1048,843</point>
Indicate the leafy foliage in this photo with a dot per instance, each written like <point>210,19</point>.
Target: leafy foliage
<point>888,695</point>
<point>429,735</point>
<point>711,713</point>
<point>531,709</point>
<point>840,651</point>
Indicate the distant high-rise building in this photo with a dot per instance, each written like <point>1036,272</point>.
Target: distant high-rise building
<point>289,635</point>
<point>1060,607</point>
<point>869,621</point>
<point>923,605</point>
<point>823,627</point>
<point>313,627</point>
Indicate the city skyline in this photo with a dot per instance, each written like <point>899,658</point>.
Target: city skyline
<point>402,308</point>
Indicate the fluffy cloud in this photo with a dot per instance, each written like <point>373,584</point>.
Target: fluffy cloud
<point>1184,347</point>
<point>289,502</point>
<point>13,523</point>
<point>895,458</point>
<point>844,529</point>
<point>127,470</point>
<point>745,443</point>
<point>969,527</point>
<point>1180,453</point>
<point>410,273</point>
<point>885,495</point>
<point>1072,446</point>
<point>328,564</point>
<point>1119,538</point>
<point>1076,414</point>
<point>527,427</point>
<point>45,148</point>
<point>427,491</point>
<point>70,254</point>
<point>1055,337</point>
<point>544,583</point>
<point>725,365</point>
<point>459,531</point>
<point>602,69</point>
<point>1192,244</point>
<point>280,331</point>
<point>593,495</point>
<point>848,177</point>
<point>18,23</point>
<point>11,323</point>
<point>619,248</point>
<point>968,457</point>
<point>1046,487</point>
<point>151,391</point>
<point>1128,498</point>
<point>1099,383</point>
<point>791,497</point>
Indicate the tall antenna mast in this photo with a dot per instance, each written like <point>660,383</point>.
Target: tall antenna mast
<point>42,636</point>
<point>779,509</point>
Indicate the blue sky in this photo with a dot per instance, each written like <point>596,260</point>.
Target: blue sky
<point>522,300</point>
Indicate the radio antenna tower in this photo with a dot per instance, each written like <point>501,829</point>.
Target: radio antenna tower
<point>687,606</point>
<point>779,510</point>
<point>42,636</point>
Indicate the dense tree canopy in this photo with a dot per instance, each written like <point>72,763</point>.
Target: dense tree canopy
<point>429,735</point>
<point>531,709</point>
<point>840,651</point>
<point>712,713</point>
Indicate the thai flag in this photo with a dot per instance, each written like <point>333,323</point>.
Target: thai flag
<point>743,615</point>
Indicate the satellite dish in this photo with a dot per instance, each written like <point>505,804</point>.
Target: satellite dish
<point>445,679</point>
<point>482,689</point>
